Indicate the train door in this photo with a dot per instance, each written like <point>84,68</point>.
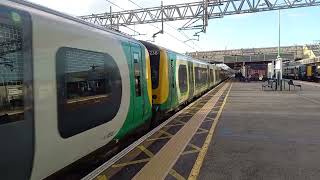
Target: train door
<point>314,72</point>
<point>138,71</point>
<point>16,96</point>
<point>208,77</point>
<point>191,79</point>
<point>172,85</point>
<point>309,72</point>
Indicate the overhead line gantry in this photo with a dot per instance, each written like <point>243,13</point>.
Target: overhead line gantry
<point>195,12</point>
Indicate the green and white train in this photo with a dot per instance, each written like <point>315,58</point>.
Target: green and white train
<point>69,88</point>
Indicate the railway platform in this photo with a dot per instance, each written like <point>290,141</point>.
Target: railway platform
<point>235,131</point>
<point>266,135</point>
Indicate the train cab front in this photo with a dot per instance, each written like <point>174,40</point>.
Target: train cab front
<point>159,76</point>
<point>16,94</point>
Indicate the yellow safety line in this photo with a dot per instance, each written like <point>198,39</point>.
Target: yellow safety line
<point>102,177</point>
<point>177,120</point>
<point>169,135</point>
<point>198,164</point>
<point>146,151</point>
<point>150,154</point>
<point>130,163</point>
<point>176,175</point>
<point>202,132</point>
<point>166,133</point>
<point>194,146</point>
<point>172,125</point>
<point>209,119</point>
<point>189,152</point>
<point>202,129</point>
<point>159,138</point>
<point>143,149</point>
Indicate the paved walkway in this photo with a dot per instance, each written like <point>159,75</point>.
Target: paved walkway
<point>266,135</point>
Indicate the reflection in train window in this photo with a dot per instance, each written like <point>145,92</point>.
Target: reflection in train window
<point>200,76</point>
<point>183,78</point>
<point>12,58</point>
<point>137,73</point>
<point>89,90</point>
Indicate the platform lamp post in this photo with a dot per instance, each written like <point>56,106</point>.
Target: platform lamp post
<point>278,66</point>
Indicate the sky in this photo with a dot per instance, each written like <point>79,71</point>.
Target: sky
<point>298,26</point>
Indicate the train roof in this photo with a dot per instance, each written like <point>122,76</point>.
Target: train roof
<point>154,46</point>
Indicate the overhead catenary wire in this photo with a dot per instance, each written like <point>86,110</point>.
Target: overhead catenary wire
<point>172,28</point>
<point>154,25</point>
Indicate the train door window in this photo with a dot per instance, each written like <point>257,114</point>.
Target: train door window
<point>182,77</point>
<point>15,64</point>
<point>203,75</point>
<point>197,76</point>
<point>89,90</point>
<point>16,94</point>
<point>137,73</point>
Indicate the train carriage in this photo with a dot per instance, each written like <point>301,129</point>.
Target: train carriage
<point>177,79</point>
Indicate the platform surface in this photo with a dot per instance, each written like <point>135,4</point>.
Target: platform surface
<point>266,135</point>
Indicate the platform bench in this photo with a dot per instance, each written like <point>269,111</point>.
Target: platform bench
<point>290,83</point>
<point>269,84</point>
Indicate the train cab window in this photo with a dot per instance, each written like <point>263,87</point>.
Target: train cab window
<point>183,78</point>
<point>137,73</point>
<point>154,53</point>
<point>15,65</point>
<point>89,90</point>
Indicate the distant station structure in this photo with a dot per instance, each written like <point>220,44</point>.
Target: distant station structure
<point>249,55</point>
<point>254,55</point>
<point>255,60</point>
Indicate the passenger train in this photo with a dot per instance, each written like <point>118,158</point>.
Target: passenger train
<point>69,87</point>
<point>307,72</point>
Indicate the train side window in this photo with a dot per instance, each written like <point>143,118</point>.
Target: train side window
<point>137,73</point>
<point>89,90</point>
<point>182,75</point>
